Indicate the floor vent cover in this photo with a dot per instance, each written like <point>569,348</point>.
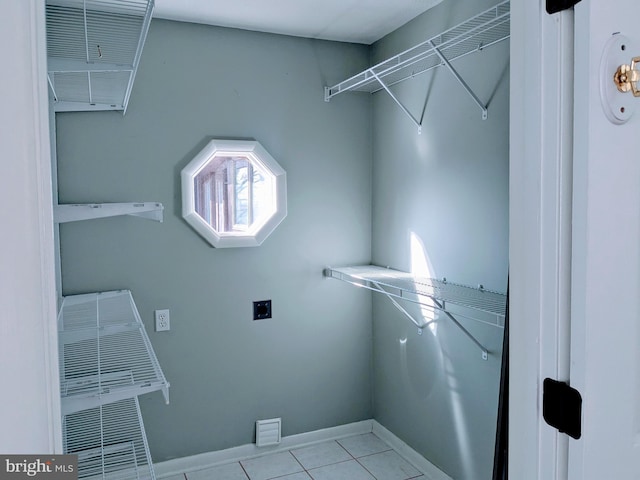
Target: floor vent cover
<point>268,432</point>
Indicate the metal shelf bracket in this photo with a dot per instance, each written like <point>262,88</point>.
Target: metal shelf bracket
<point>90,211</point>
<point>398,102</point>
<point>447,64</point>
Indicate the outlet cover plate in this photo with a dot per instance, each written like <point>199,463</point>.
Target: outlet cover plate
<point>262,309</point>
<point>163,322</point>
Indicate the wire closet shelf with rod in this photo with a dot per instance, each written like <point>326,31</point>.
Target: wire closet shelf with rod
<point>481,31</point>
<point>454,300</point>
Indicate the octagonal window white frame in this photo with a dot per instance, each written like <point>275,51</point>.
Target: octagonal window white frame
<point>257,154</point>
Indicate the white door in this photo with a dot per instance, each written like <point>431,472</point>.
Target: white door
<point>605,284</point>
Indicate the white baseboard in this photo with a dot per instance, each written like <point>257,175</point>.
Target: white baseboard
<point>202,461</point>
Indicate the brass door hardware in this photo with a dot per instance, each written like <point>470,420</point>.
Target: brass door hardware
<point>618,107</point>
<point>626,77</point>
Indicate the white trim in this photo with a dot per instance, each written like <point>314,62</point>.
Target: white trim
<point>202,461</point>
<point>257,154</point>
<point>524,239</point>
<point>28,330</point>
<point>54,200</point>
<point>541,132</point>
<point>45,222</point>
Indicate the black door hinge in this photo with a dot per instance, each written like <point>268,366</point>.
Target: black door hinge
<point>555,6</point>
<point>562,407</point>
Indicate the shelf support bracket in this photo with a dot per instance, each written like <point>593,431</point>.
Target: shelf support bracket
<point>418,324</point>
<point>64,213</point>
<point>447,64</point>
<point>437,304</point>
<point>53,90</point>
<point>485,352</point>
<point>395,99</point>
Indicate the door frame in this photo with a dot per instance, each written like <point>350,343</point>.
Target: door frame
<point>29,341</point>
<point>539,260</point>
<point>540,199</point>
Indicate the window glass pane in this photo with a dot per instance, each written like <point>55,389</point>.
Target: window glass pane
<point>204,200</point>
<point>261,195</point>
<point>242,191</point>
<point>220,195</point>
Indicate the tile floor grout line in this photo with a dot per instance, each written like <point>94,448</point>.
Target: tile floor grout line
<point>330,464</point>
<point>304,469</point>
<point>287,474</point>
<point>370,473</point>
<point>356,459</point>
<point>243,469</point>
<point>366,469</point>
<point>376,453</point>
<point>343,447</point>
<point>308,471</point>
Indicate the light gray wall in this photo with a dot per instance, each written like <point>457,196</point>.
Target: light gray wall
<point>311,363</point>
<point>448,187</point>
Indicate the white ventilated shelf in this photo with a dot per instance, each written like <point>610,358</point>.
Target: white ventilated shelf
<point>93,50</point>
<point>110,442</point>
<point>481,31</point>
<point>482,305</point>
<point>105,353</point>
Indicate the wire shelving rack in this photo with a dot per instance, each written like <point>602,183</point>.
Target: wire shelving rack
<point>475,34</point>
<point>93,51</point>
<point>110,442</point>
<point>106,361</point>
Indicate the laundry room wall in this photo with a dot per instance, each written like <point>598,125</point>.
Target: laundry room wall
<point>440,209</point>
<point>311,363</point>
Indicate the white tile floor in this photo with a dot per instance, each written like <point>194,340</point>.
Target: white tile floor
<point>361,457</point>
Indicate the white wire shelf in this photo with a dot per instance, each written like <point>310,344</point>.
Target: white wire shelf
<point>481,31</point>
<point>64,213</point>
<point>110,442</point>
<point>105,353</point>
<point>484,305</point>
<point>93,50</point>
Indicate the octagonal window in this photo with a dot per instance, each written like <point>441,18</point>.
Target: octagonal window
<point>233,193</point>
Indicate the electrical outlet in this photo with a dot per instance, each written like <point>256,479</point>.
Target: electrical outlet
<point>162,321</point>
<point>262,309</point>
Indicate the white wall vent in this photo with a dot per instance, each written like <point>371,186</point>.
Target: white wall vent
<point>268,432</point>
